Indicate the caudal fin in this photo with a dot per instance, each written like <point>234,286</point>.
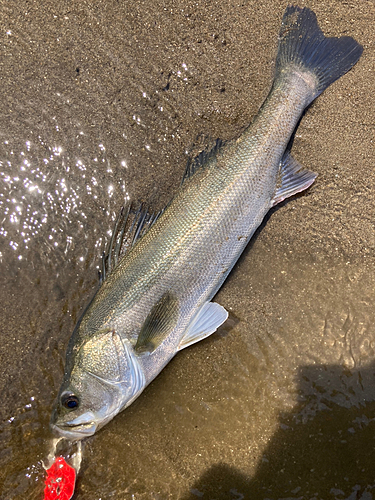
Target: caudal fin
<point>302,44</point>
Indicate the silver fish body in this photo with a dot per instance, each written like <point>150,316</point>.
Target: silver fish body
<point>190,251</point>
<point>157,299</point>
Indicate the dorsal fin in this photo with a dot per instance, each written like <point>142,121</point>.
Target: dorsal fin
<point>130,226</point>
<point>201,159</point>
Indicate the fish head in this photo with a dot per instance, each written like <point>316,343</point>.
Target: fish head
<point>104,378</point>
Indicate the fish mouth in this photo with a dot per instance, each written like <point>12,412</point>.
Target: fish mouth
<point>74,432</point>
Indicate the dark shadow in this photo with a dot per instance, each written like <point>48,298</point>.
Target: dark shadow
<point>324,448</point>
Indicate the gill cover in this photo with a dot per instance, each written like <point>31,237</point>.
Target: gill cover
<point>112,360</point>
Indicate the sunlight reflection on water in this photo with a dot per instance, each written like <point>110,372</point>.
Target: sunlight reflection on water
<point>49,196</point>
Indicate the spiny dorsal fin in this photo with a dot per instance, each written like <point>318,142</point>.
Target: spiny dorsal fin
<point>201,159</point>
<point>293,179</point>
<point>130,226</point>
<point>159,323</point>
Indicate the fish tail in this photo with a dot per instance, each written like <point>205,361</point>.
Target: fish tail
<point>303,47</point>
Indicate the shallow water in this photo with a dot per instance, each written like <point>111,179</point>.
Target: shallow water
<point>101,102</point>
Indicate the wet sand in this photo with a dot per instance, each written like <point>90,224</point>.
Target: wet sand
<point>100,101</point>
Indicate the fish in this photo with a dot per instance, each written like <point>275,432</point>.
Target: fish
<point>157,298</point>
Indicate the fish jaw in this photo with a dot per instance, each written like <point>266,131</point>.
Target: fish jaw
<point>85,425</point>
<point>74,432</point>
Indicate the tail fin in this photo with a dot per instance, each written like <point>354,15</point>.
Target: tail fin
<point>303,44</point>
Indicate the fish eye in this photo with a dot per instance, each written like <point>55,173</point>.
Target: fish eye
<point>70,401</point>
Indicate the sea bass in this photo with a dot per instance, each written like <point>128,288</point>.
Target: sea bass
<point>157,299</point>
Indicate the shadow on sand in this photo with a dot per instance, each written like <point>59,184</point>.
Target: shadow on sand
<point>323,448</point>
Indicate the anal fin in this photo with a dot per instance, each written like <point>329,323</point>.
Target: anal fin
<point>206,322</point>
<point>293,178</point>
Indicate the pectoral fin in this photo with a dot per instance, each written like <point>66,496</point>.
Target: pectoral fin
<point>159,323</point>
<point>207,321</point>
<point>293,179</point>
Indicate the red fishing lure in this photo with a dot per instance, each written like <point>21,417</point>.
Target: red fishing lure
<point>60,481</point>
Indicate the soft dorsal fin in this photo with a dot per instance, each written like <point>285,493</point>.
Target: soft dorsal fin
<point>159,323</point>
<point>206,322</point>
<point>293,179</point>
<point>201,159</point>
